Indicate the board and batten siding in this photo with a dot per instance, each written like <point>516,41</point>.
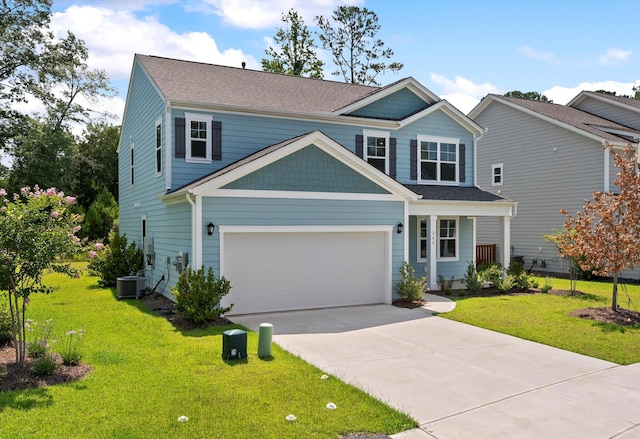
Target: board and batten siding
<point>243,135</point>
<point>223,211</point>
<point>610,111</point>
<point>546,168</point>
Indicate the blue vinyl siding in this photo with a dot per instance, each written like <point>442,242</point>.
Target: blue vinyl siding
<point>169,225</point>
<point>299,212</point>
<point>396,106</point>
<point>244,135</point>
<point>309,170</point>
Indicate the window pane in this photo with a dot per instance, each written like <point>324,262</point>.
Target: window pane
<point>198,130</point>
<point>378,163</point>
<point>376,147</point>
<point>447,248</point>
<point>158,160</point>
<point>428,171</point>
<point>448,172</point>
<point>447,228</point>
<point>198,148</point>
<point>423,249</point>
<point>428,150</point>
<point>448,152</point>
<point>423,228</point>
<point>158,136</point>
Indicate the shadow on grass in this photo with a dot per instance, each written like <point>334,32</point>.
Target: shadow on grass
<point>26,399</point>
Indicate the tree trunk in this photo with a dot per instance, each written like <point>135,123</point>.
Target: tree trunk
<point>614,297</point>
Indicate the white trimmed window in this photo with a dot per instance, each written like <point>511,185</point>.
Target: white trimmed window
<point>497,174</point>
<point>448,242</point>
<point>376,149</point>
<point>438,159</point>
<point>158,142</point>
<point>198,137</point>
<point>423,239</point>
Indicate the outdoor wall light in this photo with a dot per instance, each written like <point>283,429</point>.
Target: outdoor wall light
<point>210,228</point>
<point>400,228</point>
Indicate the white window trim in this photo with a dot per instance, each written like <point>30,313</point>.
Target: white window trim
<point>493,174</point>
<point>156,146</point>
<point>372,133</point>
<point>457,237</point>
<point>439,140</point>
<point>195,117</point>
<point>419,258</point>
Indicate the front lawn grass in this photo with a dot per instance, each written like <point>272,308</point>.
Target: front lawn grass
<point>544,318</point>
<point>147,374</point>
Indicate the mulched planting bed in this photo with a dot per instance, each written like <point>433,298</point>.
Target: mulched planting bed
<point>163,306</point>
<point>623,316</point>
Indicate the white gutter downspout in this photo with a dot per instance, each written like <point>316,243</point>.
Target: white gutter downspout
<point>476,139</point>
<point>194,251</point>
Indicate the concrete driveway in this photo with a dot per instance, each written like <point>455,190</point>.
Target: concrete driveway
<point>459,381</point>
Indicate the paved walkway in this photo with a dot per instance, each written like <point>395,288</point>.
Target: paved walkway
<point>460,381</point>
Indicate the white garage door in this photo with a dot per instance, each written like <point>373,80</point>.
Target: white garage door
<point>277,271</point>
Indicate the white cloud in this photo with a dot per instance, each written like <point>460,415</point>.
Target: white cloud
<point>462,92</point>
<point>260,14</point>
<point>615,57</point>
<point>562,95</point>
<point>534,54</point>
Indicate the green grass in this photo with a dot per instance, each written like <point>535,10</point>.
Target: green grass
<point>147,374</point>
<point>543,318</point>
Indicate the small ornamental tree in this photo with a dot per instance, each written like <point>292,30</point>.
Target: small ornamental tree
<point>38,229</point>
<point>606,233</point>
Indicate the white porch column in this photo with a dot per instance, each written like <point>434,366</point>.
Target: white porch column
<point>433,252</point>
<point>505,226</point>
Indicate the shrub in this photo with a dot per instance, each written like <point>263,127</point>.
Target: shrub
<point>409,286</point>
<point>70,348</point>
<point>546,287</point>
<point>115,260</point>
<point>445,285</point>
<point>45,365</point>
<point>494,275</point>
<point>198,295</point>
<point>6,333</point>
<point>471,279</point>
<point>521,278</point>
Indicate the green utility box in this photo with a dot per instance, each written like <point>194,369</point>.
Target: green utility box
<point>264,340</point>
<point>234,344</point>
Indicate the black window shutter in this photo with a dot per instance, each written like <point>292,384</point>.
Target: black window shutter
<point>359,147</point>
<point>392,157</point>
<point>414,158</point>
<point>216,140</point>
<point>180,138</point>
<point>461,162</point>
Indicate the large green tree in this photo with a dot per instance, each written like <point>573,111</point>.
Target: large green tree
<point>296,52</point>
<point>529,95</point>
<point>350,36</point>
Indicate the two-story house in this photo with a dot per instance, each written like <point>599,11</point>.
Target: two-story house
<point>549,157</point>
<point>304,193</point>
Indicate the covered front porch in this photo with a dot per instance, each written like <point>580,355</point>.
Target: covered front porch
<point>442,232</point>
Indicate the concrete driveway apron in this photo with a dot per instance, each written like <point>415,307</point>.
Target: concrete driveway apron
<point>460,381</point>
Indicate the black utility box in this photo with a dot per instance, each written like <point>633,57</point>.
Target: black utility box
<point>234,344</point>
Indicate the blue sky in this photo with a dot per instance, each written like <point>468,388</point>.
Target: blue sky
<point>459,49</point>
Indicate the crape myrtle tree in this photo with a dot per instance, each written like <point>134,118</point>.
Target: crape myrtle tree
<point>606,233</point>
<point>38,229</point>
<point>350,36</point>
<point>296,52</point>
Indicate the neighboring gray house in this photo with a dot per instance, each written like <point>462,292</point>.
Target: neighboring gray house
<point>548,157</point>
<point>304,193</point>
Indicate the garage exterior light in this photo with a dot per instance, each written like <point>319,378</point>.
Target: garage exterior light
<point>400,227</point>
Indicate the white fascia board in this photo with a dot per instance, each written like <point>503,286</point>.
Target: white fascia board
<point>305,195</point>
<point>546,119</point>
<point>323,142</point>
<point>450,111</point>
<point>583,95</point>
<point>463,208</point>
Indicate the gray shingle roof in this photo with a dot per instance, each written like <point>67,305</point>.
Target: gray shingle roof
<point>453,193</point>
<point>193,82</point>
<point>572,116</point>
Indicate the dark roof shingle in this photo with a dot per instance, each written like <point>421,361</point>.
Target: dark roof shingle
<point>453,193</point>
